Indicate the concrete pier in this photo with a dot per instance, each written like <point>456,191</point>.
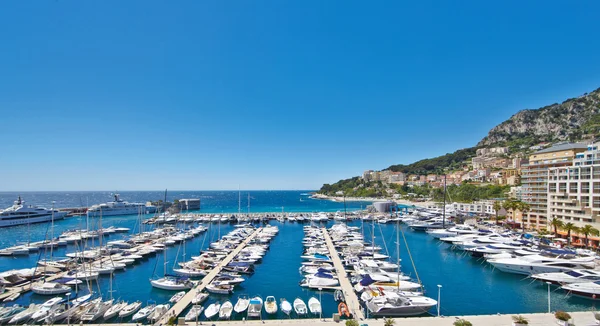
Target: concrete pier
<point>581,318</point>
<point>349,294</point>
<point>180,306</point>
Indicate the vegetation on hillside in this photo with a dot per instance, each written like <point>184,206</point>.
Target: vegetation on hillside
<point>450,161</point>
<point>572,120</point>
<point>466,192</point>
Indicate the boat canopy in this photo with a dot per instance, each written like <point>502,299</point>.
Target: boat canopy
<point>367,280</point>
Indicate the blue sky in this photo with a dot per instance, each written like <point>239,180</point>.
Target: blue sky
<point>136,95</point>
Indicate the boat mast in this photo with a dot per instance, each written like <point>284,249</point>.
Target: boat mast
<point>398,250</point>
<point>52,232</point>
<point>444,207</point>
<point>373,237</point>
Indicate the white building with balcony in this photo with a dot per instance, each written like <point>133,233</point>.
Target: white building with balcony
<point>574,191</point>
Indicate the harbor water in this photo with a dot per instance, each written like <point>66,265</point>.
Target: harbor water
<point>469,286</point>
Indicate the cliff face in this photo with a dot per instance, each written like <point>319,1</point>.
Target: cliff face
<point>571,120</point>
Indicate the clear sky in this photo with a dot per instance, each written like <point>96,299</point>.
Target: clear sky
<point>136,95</point>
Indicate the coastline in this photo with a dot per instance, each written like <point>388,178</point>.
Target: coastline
<point>404,202</point>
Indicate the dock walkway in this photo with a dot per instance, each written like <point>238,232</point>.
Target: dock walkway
<point>351,297</point>
<point>180,306</point>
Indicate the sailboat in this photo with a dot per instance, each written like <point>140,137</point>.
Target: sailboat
<point>171,282</point>
<point>49,288</point>
<point>393,302</point>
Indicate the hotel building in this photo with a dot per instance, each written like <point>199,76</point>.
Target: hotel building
<point>574,190</point>
<point>534,179</point>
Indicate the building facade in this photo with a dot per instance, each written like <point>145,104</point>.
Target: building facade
<point>534,179</point>
<point>574,190</point>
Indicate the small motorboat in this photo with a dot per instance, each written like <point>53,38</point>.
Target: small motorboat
<point>220,288</point>
<point>242,304</point>
<point>300,307</point>
<point>178,296</point>
<point>130,309</point>
<point>255,307</point>
<point>285,306</point>
<point>143,313</point>
<point>158,312</point>
<point>115,309</point>
<point>199,298</point>
<point>50,288</point>
<point>338,295</point>
<point>25,314</point>
<point>46,308</point>
<point>226,310</point>
<point>194,313</point>
<point>212,310</point>
<point>314,306</point>
<point>271,305</point>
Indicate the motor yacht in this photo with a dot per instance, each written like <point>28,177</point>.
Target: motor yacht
<point>19,214</point>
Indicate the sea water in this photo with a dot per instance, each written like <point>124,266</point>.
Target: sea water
<point>469,286</point>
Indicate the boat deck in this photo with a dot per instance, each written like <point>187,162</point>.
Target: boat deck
<point>180,306</point>
<point>351,297</point>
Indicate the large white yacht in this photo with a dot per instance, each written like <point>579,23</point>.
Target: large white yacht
<point>19,214</point>
<point>549,261</point>
<point>116,207</point>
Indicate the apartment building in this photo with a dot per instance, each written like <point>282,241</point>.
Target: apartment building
<point>534,179</point>
<point>574,190</point>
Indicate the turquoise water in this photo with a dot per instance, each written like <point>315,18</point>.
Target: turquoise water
<point>469,286</point>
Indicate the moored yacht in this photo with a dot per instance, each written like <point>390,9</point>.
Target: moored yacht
<point>574,276</point>
<point>394,305</point>
<point>545,262</point>
<point>19,214</point>
<point>116,207</point>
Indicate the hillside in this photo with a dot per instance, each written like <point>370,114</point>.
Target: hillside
<point>572,120</point>
<point>575,119</point>
<point>437,164</point>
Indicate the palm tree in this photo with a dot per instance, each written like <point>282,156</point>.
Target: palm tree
<point>524,208</point>
<point>497,206</point>
<point>510,205</point>
<point>569,227</point>
<point>588,230</point>
<point>556,224</point>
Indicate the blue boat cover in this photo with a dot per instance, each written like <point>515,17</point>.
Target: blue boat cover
<point>367,280</point>
<point>323,275</point>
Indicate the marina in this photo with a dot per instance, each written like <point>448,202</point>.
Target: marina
<point>463,276</point>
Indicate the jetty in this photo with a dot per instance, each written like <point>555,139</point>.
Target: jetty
<point>351,297</point>
<point>180,306</point>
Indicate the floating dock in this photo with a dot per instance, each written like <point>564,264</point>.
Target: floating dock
<point>180,306</point>
<point>349,294</point>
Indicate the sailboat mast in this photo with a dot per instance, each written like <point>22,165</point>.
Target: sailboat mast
<point>373,236</point>
<point>398,251</point>
<point>444,207</point>
<point>52,232</point>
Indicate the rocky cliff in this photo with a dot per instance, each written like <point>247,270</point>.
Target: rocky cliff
<point>572,120</point>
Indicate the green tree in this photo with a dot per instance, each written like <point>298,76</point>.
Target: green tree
<point>511,206</point>
<point>587,230</point>
<point>556,224</point>
<point>497,206</point>
<point>569,227</point>
<point>524,208</point>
